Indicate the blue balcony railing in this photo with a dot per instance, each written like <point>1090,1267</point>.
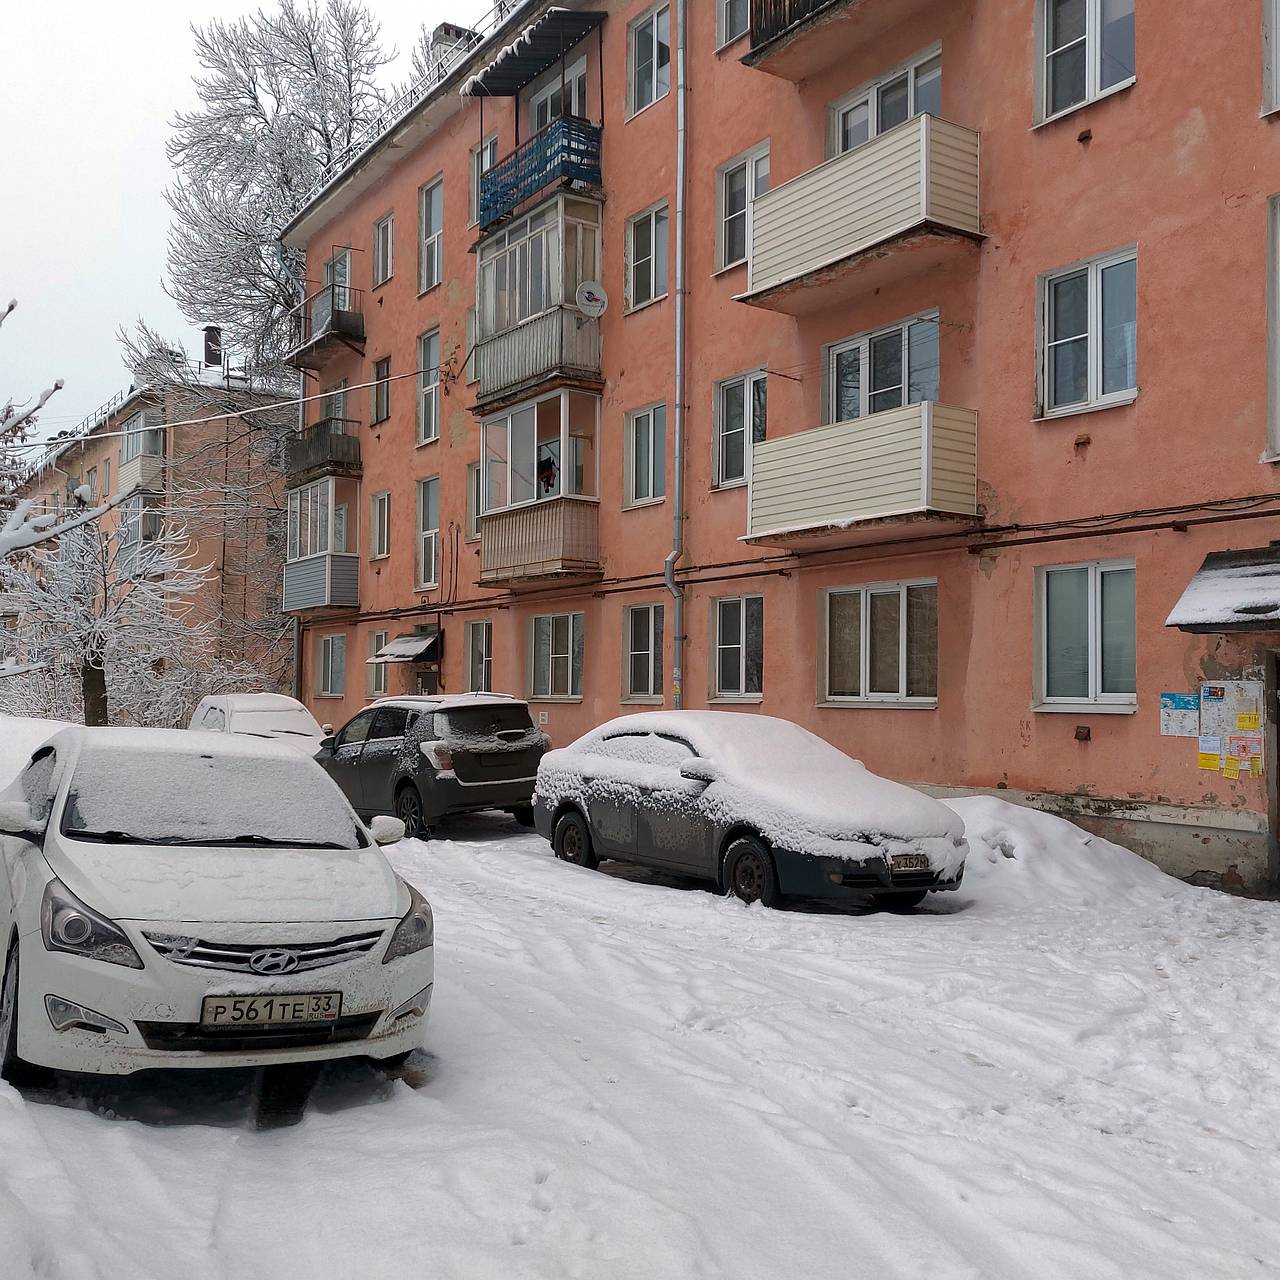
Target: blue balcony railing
<point>567,150</point>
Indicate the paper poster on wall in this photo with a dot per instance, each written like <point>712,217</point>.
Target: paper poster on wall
<point>1232,768</point>
<point>1179,715</point>
<point>1225,704</point>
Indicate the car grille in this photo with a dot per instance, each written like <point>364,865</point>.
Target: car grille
<point>178,1036</point>
<point>235,956</point>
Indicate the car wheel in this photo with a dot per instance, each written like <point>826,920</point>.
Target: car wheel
<point>572,841</point>
<point>523,814</point>
<point>900,901</point>
<point>749,872</point>
<point>409,811</point>
<point>12,1067</point>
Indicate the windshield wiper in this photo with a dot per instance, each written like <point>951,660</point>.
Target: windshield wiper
<point>265,842</point>
<point>109,837</point>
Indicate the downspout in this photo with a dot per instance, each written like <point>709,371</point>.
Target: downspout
<point>677,478</point>
<point>295,623</point>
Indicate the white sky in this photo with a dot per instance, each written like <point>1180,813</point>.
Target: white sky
<point>86,97</point>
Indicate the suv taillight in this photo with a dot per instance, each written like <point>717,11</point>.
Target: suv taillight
<point>443,757</point>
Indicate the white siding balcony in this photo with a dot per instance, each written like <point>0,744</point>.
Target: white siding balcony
<point>863,481</point>
<point>904,203</point>
<point>145,472</point>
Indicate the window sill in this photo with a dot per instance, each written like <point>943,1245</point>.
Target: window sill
<point>728,486</point>
<point>386,555</point>
<point>729,44</point>
<point>1086,708</point>
<point>473,537</point>
<point>648,106</point>
<point>554,697</point>
<point>431,288</point>
<point>879,704</point>
<point>1076,410</point>
<point>641,503</point>
<point>736,699</point>
<point>642,700</point>
<point>1269,455</point>
<point>1088,102</point>
<point>331,696</point>
<point>380,283</point>
<point>422,444</point>
<point>644,306</point>
<point>426,587</point>
<point>374,423</point>
<point>730,266</point>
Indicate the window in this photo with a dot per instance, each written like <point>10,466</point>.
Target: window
<point>643,647</point>
<point>560,98</point>
<point>473,501</point>
<point>106,478</point>
<point>429,532</point>
<point>882,643</point>
<point>742,411</point>
<point>1088,633</point>
<point>377,670</point>
<point>1090,327</point>
<point>1088,48</point>
<point>333,406</point>
<point>646,455</point>
<point>483,158</point>
<point>905,93</point>
<point>429,387</point>
<point>39,784</point>
<point>381,407</point>
<point>739,650</point>
<point>479,657</point>
<point>389,724</point>
<point>430,235</point>
<point>469,367</point>
<point>141,521</point>
<point>557,655</point>
<point>733,20</point>
<point>333,666</point>
<point>883,370</point>
<point>380,526</point>
<point>142,436</point>
<point>647,257</point>
<point>741,182</point>
<point>544,449</point>
<point>91,479</point>
<point>317,518</point>
<point>650,58</point>
<point>383,236</point>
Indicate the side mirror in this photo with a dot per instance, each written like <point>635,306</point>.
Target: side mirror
<point>326,743</point>
<point>700,770</point>
<point>16,819</point>
<point>385,829</point>
<point>327,730</point>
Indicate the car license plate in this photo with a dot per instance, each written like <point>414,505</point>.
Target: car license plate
<point>271,1011</point>
<point>911,862</point>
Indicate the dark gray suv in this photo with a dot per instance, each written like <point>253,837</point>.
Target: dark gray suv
<point>422,758</point>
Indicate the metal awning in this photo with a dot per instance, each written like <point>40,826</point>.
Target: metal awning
<point>413,647</point>
<point>1232,591</point>
<point>539,46</point>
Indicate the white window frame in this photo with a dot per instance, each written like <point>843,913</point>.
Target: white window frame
<point>428,537</point>
<point>742,695</point>
<point>655,633</point>
<point>380,525</point>
<point>1094,399</point>
<point>646,420</point>
<point>484,684</point>
<point>384,236</point>
<point>142,436</point>
<point>868,95</point>
<point>649,215</point>
<point>576,625</point>
<point>328,645</point>
<point>475,500</point>
<point>756,163</point>
<point>380,384</point>
<point>649,17</point>
<point>429,387</point>
<point>1271,452</point>
<point>1097,699</point>
<point>574,81</point>
<point>484,155</point>
<point>1092,40</point>
<point>314,515</point>
<point>866,698</point>
<point>430,244</point>
<point>724,36</point>
<point>1270,56</point>
<point>861,342</point>
<point>748,381</point>
<point>377,670</point>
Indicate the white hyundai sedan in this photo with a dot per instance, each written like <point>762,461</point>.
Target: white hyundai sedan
<point>180,899</point>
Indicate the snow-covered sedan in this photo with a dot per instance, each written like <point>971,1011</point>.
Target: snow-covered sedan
<point>761,806</point>
<point>261,715</point>
<point>180,899</point>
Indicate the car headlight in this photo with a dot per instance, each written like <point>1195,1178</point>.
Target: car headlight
<point>416,932</point>
<point>66,924</point>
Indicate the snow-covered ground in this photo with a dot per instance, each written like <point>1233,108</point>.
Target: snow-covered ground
<point>1069,1069</point>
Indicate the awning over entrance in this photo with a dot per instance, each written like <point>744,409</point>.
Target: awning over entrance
<point>540,45</point>
<point>1232,591</point>
<point>408,648</point>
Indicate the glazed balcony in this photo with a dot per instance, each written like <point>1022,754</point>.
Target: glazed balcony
<point>865,480</point>
<point>901,204</point>
<point>328,321</point>
<point>567,150</point>
<point>330,447</point>
<point>560,345</point>
<point>539,542</point>
<point>143,471</point>
<point>330,580</point>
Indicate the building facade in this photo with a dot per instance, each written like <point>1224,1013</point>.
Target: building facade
<point>935,358</point>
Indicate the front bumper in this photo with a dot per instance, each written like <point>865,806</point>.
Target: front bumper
<point>160,1006</point>
<point>807,876</point>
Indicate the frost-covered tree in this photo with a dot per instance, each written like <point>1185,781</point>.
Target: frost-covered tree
<point>282,94</point>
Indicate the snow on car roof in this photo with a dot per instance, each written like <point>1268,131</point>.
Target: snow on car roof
<point>173,741</point>
<point>262,702</point>
<point>444,701</point>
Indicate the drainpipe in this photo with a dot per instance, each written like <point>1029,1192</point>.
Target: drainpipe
<point>295,621</point>
<point>677,479</point>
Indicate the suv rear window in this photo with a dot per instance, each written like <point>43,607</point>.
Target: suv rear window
<point>489,722</point>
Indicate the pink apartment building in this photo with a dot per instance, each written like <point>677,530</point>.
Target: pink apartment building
<point>938,359</point>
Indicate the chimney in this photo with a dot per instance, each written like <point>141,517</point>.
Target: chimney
<point>446,37</point>
<point>213,346</point>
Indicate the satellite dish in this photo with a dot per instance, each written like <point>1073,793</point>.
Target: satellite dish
<point>591,299</point>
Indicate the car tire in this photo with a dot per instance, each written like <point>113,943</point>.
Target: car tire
<point>13,1068</point>
<point>900,901</point>
<point>523,814</point>
<point>409,810</point>
<point>572,841</point>
<point>749,873</point>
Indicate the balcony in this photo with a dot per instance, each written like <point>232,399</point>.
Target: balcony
<point>144,471</point>
<point>329,320</point>
<point>902,204</point>
<point>540,542</point>
<point>567,150</point>
<point>331,447</point>
<point>797,39</point>
<point>561,344</point>
<point>327,581</point>
<point>865,481</point>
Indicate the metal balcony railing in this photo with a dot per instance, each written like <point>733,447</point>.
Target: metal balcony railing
<point>770,18</point>
<point>329,446</point>
<point>334,311</point>
<point>567,150</point>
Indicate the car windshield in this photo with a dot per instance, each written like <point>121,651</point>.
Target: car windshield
<point>293,720</point>
<point>179,798</point>
<point>494,720</point>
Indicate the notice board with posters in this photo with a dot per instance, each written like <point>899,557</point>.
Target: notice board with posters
<point>1231,725</point>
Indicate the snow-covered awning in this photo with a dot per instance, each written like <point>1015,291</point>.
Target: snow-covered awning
<point>540,45</point>
<point>414,647</point>
<point>1232,591</point>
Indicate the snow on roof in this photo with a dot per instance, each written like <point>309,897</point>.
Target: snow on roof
<point>1232,591</point>
<point>443,701</point>
<point>174,741</point>
<point>261,702</point>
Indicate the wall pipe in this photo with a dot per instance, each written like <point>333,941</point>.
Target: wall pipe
<point>301,287</point>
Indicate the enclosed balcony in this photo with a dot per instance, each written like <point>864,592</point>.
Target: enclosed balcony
<point>322,567</point>
<point>326,581</point>
<point>561,343</point>
<point>529,545</point>
<point>328,321</point>
<point>566,151</point>
<point>330,447</point>
<point>904,203</point>
<point>866,480</point>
